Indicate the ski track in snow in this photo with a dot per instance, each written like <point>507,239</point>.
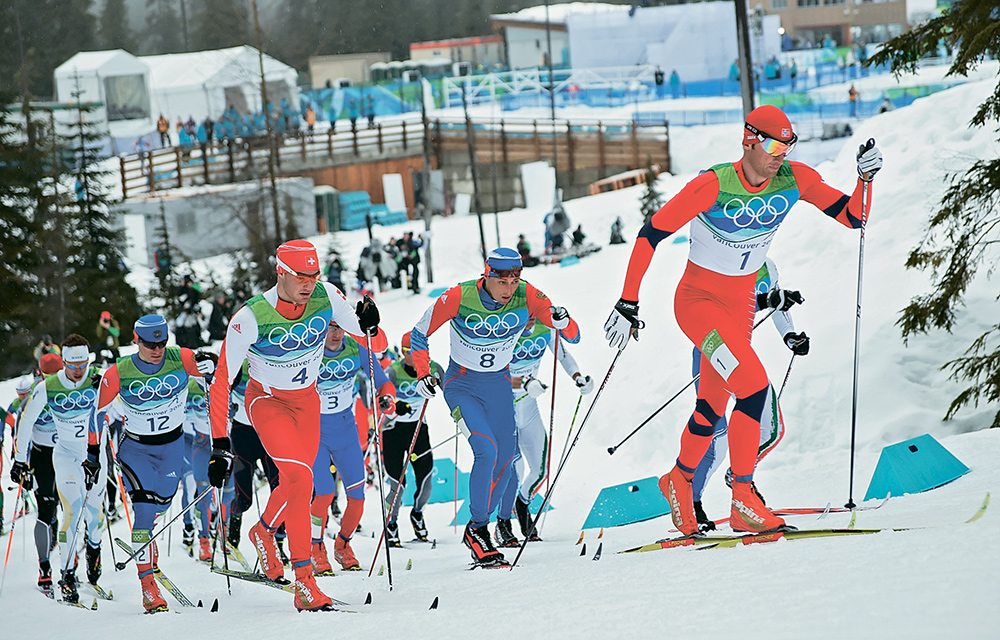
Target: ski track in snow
<point>940,581</point>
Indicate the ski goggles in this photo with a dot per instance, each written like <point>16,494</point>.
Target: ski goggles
<point>161,344</point>
<point>78,366</point>
<point>770,145</point>
<point>503,273</point>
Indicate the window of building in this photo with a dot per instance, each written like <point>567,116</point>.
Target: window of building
<point>779,5</point>
<point>807,3</point>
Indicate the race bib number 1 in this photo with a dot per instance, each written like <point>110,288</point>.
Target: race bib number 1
<point>719,355</point>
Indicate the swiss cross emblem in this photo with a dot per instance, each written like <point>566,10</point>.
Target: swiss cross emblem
<point>310,261</point>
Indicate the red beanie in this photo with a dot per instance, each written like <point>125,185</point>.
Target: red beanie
<point>297,257</point>
<point>769,121</point>
<point>405,342</point>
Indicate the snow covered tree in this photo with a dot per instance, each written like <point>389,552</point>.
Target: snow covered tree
<point>95,270</point>
<point>19,289</point>
<point>651,198</point>
<point>963,234</point>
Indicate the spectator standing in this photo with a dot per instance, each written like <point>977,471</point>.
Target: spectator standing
<point>334,269</point>
<point>310,119</point>
<point>658,76</point>
<point>352,112</point>
<point>409,247</point>
<point>45,346</point>
<point>108,338</point>
<point>852,97</point>
<point>370,103</point>
<point>675,84</point>
<point>163,128</point>
<point>219,320</point>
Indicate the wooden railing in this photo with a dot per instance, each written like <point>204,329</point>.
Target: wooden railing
<point>578,145</point>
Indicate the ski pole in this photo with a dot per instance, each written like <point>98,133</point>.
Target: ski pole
<point>11,534</point>
<point>552,412</point>
<point>562,455</point>
<point>865,206</point>
<point>414,457</point>
<point>222,533</point>
<point>562,464</point>
<point>378,452</point>
<point>121,565</point>
<point>787,373</point>
<point>83,511</point>
<point>399,489</point>
<point>454,483</point>
<point>611,450</point>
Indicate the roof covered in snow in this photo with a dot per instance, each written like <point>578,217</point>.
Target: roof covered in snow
<point>220,66</point>
<point>558,13</point>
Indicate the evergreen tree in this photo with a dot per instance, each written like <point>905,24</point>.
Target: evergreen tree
<point>963,234</point>
<point>300,31</point>
<point>651,198</point>
<point>164,30</point>
<point>19,286</point>
<point>164,298</point>
<point>219,24</point>
<point>113,31</point>
<point>95,270</point>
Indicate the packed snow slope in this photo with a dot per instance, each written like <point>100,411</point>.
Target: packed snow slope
<point>939,580</point>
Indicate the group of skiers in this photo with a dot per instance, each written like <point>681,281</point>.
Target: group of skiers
<point>285,388</point>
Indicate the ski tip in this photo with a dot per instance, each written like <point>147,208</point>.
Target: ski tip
<point>583,551</point>
<point>601,534</point>
<point>409,564</point>
<point>215,606</point>
<point>982,509</point>
<point>93,606</point>
<point>434,544</point>
<point>581,538</point>
<point>381,569</point>
<point>434,605</point>
<point>597,556</point>
<point>368,600</point>
<point>200,604</point>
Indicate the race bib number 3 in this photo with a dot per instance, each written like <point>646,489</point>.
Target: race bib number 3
<point>719,355</point>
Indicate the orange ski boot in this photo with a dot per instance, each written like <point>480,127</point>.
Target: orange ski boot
<point>267,549</point>
<point>308,597</point>
<point>676,486</point>
<point>204,550</point>
<point>320,561</point>
<point>344,554</point>
<point>748,511</point>
<point>152,601</point>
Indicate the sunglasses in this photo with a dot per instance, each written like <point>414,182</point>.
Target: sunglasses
<point>505,273</point>
<point>162,344</point>
<point>76,367</point>
<point>405,350</point>
<point>772,146</point>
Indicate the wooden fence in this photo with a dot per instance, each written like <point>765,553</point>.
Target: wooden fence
<point>578,145</point>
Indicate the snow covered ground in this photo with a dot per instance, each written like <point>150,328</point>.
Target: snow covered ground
<point>937,581</point>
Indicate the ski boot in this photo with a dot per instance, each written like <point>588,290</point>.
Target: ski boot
<point>233,530</point>
<point>308,597</point>
<point>152,600</point>
<point>676,486</point>
<point>392,535</point>
<point>524,519</point>
<point>188,539</point>
<point>344,554</point>
<point>484,554</point>
<point>45,577</point>
<point>704,523</point>
<point>204,549</point>
<point>267,549</point>
<point>67,587</point>
<point>419,526</point>
<point>320,561</point>
<point>505,534</point>
<point>93,564</point>
<point>748,512</point>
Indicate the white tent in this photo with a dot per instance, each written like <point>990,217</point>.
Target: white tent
<point>206,83</point>
<point>120,82</point>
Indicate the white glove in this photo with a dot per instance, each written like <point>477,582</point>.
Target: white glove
<point>623,323</point>
<point>427,387</point>
<point>534,387</point>
<point>869,160</point>
<point>205,361</point>
<point>584,383</point>
<point>560,318</point>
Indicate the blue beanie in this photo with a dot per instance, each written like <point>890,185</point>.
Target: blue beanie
<point>151,328</point>
<point>502,259</point>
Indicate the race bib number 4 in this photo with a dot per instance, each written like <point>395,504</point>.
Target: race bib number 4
<point>719,355</point>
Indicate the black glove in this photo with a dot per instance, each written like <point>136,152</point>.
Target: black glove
<point>221,463</point>
<point>95,380</point>
<point>92,466</point>
<point>623,323</point>
<point>427,387</point>
<point>797,342</point>
<point>21,474</point>
<point>403,408</point>
<point>780,299</point>
<point>368,316</point>
<point>387,404</point>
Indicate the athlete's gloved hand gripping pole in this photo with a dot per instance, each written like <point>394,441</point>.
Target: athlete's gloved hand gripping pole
<point>565,459</point>
<point>869,162</point>
<point>611,450</point>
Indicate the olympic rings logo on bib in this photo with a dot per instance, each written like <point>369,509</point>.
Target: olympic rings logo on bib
<point>74,400</point>
<point>756,211</point>
<point>531,349</point>
<point>300,336</point>
<point>197,403</point>
<point>162,388</point>
<point>493,326</point>
<point>407,389</point>
<point>337,370</point>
